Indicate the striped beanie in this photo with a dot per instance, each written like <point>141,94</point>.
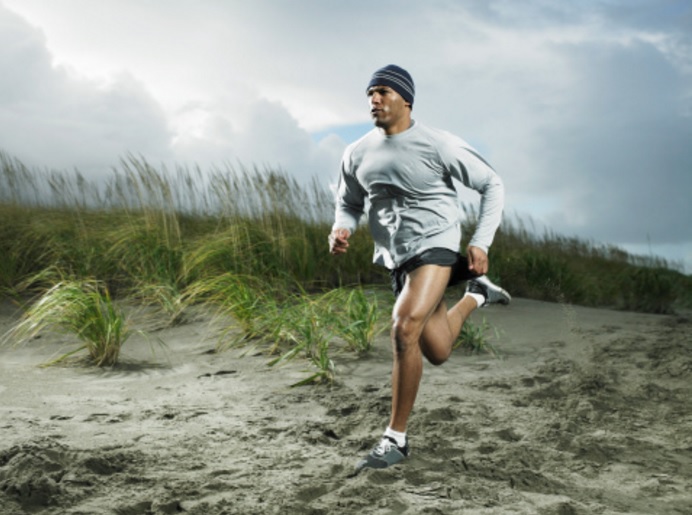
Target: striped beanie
<point>396,78</point>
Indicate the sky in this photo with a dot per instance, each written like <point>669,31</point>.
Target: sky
<point>583,108</point>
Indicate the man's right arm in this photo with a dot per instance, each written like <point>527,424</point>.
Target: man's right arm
<point>350,202</point>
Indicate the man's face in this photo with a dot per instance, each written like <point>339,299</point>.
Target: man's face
<point>387,107</point>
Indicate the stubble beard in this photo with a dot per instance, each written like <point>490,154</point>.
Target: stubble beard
<point>380,121</point>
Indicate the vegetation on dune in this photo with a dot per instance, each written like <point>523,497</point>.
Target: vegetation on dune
<point>81,307</point>
<point>559,269</point>
<point>253,244</point>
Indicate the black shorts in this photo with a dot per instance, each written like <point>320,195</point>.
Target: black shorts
<point>434,256</point>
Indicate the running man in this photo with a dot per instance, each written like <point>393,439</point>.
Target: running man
<point>409,174</point>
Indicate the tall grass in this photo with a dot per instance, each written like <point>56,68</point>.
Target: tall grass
<point>559,269</point>
<point>304,329</point>
<point>251,302</point>
<point>355,315</point>
<point>82,308</point>
<point>253,243</point>
<point>287,324</point>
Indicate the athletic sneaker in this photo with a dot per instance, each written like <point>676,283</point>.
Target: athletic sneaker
<point>385,454</point>
<point>492,293</point>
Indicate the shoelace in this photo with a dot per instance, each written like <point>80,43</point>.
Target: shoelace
<point>383,447</point>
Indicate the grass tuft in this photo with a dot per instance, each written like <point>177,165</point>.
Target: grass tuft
<point>83,308</point>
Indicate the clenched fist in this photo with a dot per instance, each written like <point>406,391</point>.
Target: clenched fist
<point>338,241</point>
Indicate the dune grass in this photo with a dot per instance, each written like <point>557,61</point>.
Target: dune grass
<point>252,243</point>
<point>559,269</point>
<point>81,307</point>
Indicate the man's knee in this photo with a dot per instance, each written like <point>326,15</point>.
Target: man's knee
<point>406,331</point>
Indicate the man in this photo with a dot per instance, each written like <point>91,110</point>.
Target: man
<point>407,172</point>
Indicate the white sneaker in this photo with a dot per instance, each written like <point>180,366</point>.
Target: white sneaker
<point>492,293</point>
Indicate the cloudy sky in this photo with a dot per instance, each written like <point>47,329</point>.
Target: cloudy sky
<point>584,108</point>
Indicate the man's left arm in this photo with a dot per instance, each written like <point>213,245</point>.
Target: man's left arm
<point>475,173</point>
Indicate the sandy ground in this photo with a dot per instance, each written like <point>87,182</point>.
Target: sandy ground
<point>586,411</point>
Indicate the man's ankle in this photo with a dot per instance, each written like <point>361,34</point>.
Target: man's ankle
<point>397,436</point>
<point>480,299</point>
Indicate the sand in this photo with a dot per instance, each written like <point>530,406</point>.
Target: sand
<point>585,411</point>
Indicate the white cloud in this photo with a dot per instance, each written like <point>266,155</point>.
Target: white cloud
<point>54,116</point>
<point>49,118</point>
<point>266,136</point>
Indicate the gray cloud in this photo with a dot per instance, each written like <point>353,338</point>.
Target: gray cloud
<point>619,153</point>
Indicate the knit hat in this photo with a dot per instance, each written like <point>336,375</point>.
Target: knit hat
<point>396,78</point>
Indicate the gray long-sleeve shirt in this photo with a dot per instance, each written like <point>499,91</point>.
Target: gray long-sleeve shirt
<point>413,203</point>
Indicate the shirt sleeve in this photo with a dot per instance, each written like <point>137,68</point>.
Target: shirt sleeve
<point>468,167</point>
<point>350,198</point>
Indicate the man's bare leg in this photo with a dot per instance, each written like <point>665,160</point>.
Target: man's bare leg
<point>418,302</point>
<point>443,329</point>
<point>422,325</point>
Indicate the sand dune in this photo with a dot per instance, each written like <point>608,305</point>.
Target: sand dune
<point>584,411</point>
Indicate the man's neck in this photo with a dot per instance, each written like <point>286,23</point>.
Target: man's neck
<point>399,127</point>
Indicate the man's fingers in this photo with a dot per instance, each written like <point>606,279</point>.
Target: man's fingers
<point>478,260</point>
<point>338,241</point>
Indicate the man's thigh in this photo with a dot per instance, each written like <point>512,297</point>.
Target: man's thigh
<point>424,290</point>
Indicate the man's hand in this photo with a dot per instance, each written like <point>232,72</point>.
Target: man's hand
<point>478,260</point>
<point>338,241</point>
